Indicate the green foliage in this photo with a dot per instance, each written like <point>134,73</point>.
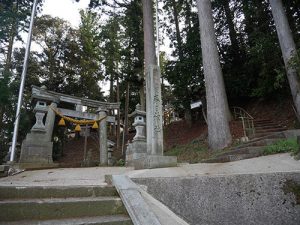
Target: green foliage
<point>184,72</point>
<point>193,152</point>
<point>120,162</point>
<point>281,146</point>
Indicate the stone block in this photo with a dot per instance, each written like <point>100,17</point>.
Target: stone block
<point>4,170</point>
<point>35,149</point>
<point>35,165</point>
<point>155,161</point>
<point>135,151</point>
<point>291,133</point>
<point>260,199</point>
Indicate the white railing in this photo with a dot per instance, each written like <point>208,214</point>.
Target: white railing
<point>247,120</point>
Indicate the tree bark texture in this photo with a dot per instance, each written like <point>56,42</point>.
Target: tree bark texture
<point>119,116</point>
<point>219,135</point>
<point>126,111</point>
<point>178,37</point>
<point>142,97</point>
<point>288,49</point>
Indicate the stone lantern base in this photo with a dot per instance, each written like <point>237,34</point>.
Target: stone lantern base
<point>137,157</point>
<point>135,151</point>
<point>155,161</point>
<point>36,152</point>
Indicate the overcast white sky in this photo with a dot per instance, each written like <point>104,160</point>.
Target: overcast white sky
<point>65,9</point>
<point>69,11</point>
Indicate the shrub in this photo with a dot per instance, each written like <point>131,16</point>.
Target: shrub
<point>281,146</point>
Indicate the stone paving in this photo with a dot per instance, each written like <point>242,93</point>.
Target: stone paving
<point>95,175</point>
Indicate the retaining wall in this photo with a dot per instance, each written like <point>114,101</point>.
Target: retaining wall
<point>252,199</point>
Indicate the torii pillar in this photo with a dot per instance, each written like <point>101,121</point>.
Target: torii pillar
<point>103,137</point>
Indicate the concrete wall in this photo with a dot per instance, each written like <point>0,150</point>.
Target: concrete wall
<point>266,199</point>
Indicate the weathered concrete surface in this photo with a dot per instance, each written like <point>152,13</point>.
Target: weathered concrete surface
<point>56,208</point>
<point>61,205</point>
<point>95,175</point>
<point>142,207</point>
<point>23,192</point>
<point>266,199</point>
<point>155,161</point>
<point>63,177</point>
<point>264,164</point>
<point>137,208</point>
<point>97,220</point>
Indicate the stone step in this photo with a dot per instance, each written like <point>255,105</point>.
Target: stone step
<point>262,121</point>
<point>264,130</point>
<point>4,170</point>
<point>56,192</point>
<point>243,150</point>
<point>267,135</point>
<point>237,152</point>
<point>268,126</point>
<point>59,208</point>
<point>261,142</point>
<point>97,220</point>
<point>265,124</point>
<point>275,135</point>
<point>231,158</point>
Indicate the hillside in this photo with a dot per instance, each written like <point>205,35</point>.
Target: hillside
<point>180,136</point>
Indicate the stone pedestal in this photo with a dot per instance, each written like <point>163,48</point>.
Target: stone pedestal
<point>36,149</point>
<point>137,152</point>
<point>155,161</point>
<point>138,148</point>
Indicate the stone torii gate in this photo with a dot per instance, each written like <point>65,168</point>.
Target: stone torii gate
<point>36,149</point>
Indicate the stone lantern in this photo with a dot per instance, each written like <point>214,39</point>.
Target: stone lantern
<point>138,148</point>
<point>139,124</point>
<point>40,110</point>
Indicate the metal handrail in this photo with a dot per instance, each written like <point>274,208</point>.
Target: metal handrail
<point>243,111</point>
<point>247,120</point>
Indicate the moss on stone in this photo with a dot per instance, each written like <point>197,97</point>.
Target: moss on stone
<point>290,186</point>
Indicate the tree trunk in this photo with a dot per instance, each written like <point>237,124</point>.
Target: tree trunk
<point>188,17</point>
<point>119,116</point>
<point>187,112</point>
<point>13,31</point>
<point>188,116</point>
<point>142,97</point>
<point>111,89</point>
<point>219,135</point>
<point>232,32</point>
<point>178,37</point>
<point>10,49</point>
<point>288,49</point>
<point>149,46</point>
<point>126,111</point>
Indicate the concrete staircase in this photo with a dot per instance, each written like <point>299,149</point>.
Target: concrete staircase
<point>267,133</point>
<point>77,205</point>
<point>266,127</point>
